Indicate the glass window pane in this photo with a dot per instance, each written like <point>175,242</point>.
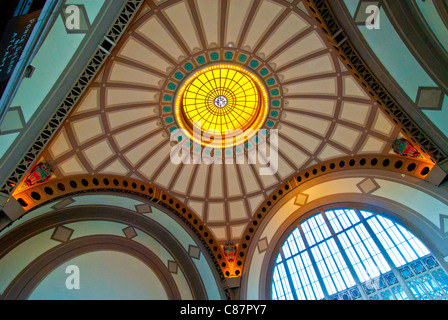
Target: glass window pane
<point>286,251</point>
<point>323,227</point>
<point>335,264</point>
<point>308,234</point>
<point>281,284</point>
<point>381,263</point>
<point>385,240</point>
<point>407,251</point>
<point>419,247</point>
<point>351,214</point>
<point>406,247</point>
<point>368,242</point>
<point>317,235</point>
<point>299,240</point>
<point>442,279</point>
<point>279,258</point>
<point>415,243</point>
<point>365,214</point>
<point>343,219</point>
<point>274,292</point>
<point>396,257</point>
<point>333,221</point>
<point>302,275</point>
<point>385,222</point>
<point>376,227</point>
<point>386,295</point>
<point>395,235</point>
<point>399,293</point>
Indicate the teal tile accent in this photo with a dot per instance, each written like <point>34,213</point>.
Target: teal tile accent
<point>214,56</point>
<point>200,60</point>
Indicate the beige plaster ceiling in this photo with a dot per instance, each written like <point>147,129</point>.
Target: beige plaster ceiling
<point>122,124</point>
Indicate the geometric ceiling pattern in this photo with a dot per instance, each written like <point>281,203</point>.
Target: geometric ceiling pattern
<point>123,123</point>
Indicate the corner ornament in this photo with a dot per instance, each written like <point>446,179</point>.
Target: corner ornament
<point>230,251</point>
<point>40,173</point>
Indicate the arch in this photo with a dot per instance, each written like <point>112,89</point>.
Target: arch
<point>25,283</point>
<point>53,190</point>
<point>336,189</point>
<point>322,12</point>
<point>394,164</point>
<point>85,244</point>
<point>383,274</point>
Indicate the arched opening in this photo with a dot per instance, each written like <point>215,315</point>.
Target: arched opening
<point>351,254</point>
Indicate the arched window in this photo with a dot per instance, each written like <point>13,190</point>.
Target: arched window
<point>350,254</point>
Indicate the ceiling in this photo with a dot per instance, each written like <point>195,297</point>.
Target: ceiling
<point>408,53</point>
<point>122,124</point>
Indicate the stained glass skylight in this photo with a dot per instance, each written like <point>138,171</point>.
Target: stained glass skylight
<point>224,104</point>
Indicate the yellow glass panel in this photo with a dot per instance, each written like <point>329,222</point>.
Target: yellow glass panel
<point>221,98</point>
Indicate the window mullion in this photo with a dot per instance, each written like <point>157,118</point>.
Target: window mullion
<point>407,241</point>
<point>370,254</point>
<point>386,233</point>
<point>288,275</point>
<point>307,276</point>
<point>345,257</point>
<point>388,259</point>
<point>313,262</point>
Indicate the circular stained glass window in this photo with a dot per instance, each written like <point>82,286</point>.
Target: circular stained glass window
<point>221,106</point>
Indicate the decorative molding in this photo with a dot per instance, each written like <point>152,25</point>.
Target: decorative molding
<point>84,24</point>
<point>417,34</point>
<point>62,234</point>
<point>89,73</point>
<point>402,165</point>
<point>301,199</point>
<point>173,267</point>
<point>54,190</point>
<point>368,186</point>
<point>429,98</point>
<point>194,252</point>
<point>263,245</point>
<point>64,203</point>
<point>444,223</point>
<point>143,208</point>
<point>51,220</point>
<point>326,19</point>
<point>14,121</point>
<point>360,15</point>
<point>130,233</point>
<point>25,283</point>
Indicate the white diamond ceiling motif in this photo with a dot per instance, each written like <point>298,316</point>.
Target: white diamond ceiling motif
<point>123,123</point>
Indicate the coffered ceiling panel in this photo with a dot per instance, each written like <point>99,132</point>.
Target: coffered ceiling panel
<point>123,124</point>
